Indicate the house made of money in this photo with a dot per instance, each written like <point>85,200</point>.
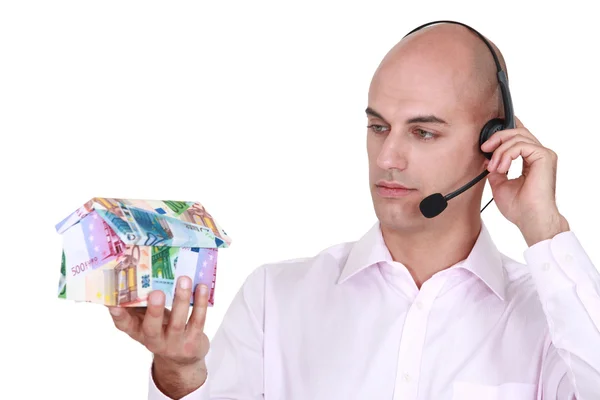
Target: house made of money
<point>116,251</point>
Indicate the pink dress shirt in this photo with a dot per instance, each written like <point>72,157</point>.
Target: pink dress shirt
<point>350,323</point>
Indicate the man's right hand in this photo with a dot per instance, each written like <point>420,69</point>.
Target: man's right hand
<point>179,346</point>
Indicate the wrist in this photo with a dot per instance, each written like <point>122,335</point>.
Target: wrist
<point>177,380</point>
<point>544,229</point>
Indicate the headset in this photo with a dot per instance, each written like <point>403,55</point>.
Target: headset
<point>433,205</point>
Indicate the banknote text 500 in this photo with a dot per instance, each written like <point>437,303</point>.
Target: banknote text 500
<point>83,266</point>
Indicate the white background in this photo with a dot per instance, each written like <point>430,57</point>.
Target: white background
<point>253,108</point>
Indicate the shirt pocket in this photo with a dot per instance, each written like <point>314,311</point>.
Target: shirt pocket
<point>505,391</point>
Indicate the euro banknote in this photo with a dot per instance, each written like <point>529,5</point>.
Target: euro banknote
<point>154,222</point>
<point>126,279</point>
<point>116,252</point>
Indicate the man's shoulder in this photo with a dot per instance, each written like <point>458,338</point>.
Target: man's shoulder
<point>323,266</point>
<point>330,257</point>
<point>514,269</point>
<point>518,280</point>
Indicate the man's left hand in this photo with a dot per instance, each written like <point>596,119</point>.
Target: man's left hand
<point>528,201</point>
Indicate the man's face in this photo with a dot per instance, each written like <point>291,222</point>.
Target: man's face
<point>423,135</point>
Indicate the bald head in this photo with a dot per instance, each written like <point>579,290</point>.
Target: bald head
<point>456,58</point>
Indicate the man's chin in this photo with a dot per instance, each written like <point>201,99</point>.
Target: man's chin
<point>396,213</point>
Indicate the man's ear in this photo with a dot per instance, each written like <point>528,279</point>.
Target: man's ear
<point>485,162</point>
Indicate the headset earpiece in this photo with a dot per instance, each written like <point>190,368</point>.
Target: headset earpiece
<point>491,127</point>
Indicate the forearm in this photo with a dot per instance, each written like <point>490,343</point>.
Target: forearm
<point>568,285</point>
<point>176,381</point>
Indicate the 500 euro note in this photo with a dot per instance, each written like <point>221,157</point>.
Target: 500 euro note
<point>98,267</point>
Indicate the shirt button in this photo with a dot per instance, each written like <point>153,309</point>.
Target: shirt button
<point>419,305</point>
<point>546,267</point>
<point>568,259</point>
<point>406,377</point>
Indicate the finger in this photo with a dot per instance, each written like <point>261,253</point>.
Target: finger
<point>181,308</point>
<point>496,179</point>
<point>152,326</point>
<point>503,136</point>
<point>125,321</point>
<point>140,312</point>
<point>499,151</point>
<point>197,321</point>
<point>530,153</point>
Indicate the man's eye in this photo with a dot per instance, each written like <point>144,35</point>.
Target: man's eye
<point>425,135</point>
<point>377,128</point>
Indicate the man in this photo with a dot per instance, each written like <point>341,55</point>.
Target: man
<point>418,308</point>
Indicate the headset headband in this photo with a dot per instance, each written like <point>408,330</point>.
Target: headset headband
<point>509,118</point>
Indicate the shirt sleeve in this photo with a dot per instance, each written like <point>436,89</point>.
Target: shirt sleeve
<point>568,285</point>
<point>235,358</point>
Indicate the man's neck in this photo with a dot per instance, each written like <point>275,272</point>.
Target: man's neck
<point>428,252</point>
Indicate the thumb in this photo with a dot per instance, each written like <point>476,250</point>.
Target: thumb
<point>496,179</point>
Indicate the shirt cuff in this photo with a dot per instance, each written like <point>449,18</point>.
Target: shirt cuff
<point>560,264</point>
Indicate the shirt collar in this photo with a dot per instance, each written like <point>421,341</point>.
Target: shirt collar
<point>484,260</point>
<point>367,251</point>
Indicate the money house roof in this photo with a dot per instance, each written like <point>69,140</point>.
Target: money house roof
<point>153,222</point>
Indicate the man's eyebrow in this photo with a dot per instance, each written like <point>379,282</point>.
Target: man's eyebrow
<point>424,119</point>
<point>374,113</point>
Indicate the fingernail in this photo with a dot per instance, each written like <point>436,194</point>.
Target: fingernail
<point>203,289</point>
<point>155,299</point>
<point>115,311</point>
<point>184,282</point>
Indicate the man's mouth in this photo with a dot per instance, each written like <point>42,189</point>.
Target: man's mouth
<point>392,189</point>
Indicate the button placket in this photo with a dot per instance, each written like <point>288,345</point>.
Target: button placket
<point>413,337</point>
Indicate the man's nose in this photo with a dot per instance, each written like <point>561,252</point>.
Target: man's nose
<point>394,153</point>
